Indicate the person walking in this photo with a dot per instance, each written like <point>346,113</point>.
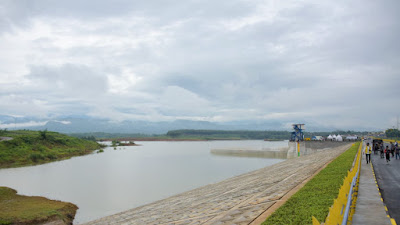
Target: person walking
<point>392,149</point>
<point>368,153</point>
<point>376,149</point>
<point>387,152</point>
<point>381,151</point>
<point>397,149</point>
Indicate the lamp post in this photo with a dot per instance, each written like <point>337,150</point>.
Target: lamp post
<point>298,148</point>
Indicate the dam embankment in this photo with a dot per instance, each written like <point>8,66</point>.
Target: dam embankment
<point>291,151</point>
<point>279,153</point>
<point>238,200</point>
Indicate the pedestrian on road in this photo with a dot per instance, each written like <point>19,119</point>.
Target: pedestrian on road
<point>376,148</point>
<point>368,153</point>
<point>392,149</point>
<point>397,152</point>
<point>382,150</point>
<point>387,152</point>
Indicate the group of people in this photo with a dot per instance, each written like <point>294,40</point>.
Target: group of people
<point>386,152</point>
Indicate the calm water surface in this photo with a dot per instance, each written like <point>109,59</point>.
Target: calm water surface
<point>118,180</point>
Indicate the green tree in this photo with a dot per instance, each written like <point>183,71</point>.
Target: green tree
<point>2,132</point>
<point>43,134</point>
<point>392,133</point>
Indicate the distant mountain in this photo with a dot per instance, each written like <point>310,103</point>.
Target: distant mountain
<point>88,124</point>
<point>85,124</point>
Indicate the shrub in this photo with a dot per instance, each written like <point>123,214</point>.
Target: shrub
<point>51,156</point>
<point>60,141</point>
<point>35,157</point>
<point>43,134</point>
<point>39,148</point>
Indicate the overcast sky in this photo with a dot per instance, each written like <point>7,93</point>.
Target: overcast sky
<point>324,62</point>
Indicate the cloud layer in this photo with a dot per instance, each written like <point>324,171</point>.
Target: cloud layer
<point>331,63</point>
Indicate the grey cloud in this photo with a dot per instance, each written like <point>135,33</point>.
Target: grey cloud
<point>15,13</point>
<point>161,11</point>
<point>259,60</point>
<point>73,80</point>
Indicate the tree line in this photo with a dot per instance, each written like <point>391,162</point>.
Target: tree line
<point>391,133</point>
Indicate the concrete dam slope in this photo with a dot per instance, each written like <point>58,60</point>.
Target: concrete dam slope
<point>306,148</point>
<point>239,200</point>
<point>279,153</point>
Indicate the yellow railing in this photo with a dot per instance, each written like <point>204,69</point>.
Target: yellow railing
<point>338,212</point>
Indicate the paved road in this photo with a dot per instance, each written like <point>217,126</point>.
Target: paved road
<point>388,177</point>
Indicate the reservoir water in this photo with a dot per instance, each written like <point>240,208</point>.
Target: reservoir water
<point>117,180</point>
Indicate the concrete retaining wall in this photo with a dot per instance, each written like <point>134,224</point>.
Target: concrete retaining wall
<point>280,153</point>
<point>306,148</point>
<point>311,147</point>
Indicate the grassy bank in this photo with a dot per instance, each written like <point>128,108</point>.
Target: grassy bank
<point>37,147</point>
<point>315,198</point>
<point>19,209</point>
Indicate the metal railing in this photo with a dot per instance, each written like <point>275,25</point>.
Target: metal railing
<point>350,195</point>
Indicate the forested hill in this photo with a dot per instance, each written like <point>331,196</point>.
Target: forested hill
<point>244,134</point>
<point>227,134</point>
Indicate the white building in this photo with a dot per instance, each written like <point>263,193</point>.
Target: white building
<point>339,138</point>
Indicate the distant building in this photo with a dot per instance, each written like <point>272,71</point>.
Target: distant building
<point>339,138</point>
<point>351,138</point>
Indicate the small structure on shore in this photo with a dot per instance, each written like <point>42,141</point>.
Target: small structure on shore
<point>297,134</point>
<point>334,137</point>
<point>339,138</point>
<point>351,138</point>
<point>317,138</point>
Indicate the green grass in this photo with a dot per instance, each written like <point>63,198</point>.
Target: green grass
<point>315,198</point>
<point>37,147</point>
<point>18,209</point>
